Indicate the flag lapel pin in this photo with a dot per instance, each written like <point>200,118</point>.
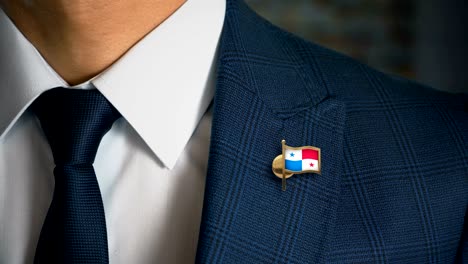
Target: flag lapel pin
<point>296,160</point>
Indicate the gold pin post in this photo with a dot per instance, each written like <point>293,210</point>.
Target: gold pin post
<point>278,166</point>
<point>283,144</point>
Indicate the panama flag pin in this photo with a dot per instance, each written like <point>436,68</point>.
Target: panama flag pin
<point>296,160</point>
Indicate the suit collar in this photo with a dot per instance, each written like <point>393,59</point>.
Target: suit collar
<point>266,92</point>
<point>253,44</point>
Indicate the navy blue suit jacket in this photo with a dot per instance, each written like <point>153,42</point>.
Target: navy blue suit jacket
<point>394,182</point>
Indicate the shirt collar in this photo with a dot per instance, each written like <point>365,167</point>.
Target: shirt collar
<point>162,86</point>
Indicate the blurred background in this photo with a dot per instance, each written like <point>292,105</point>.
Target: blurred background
<point>424,40</point>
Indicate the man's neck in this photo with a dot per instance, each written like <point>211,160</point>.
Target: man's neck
<point>81,38</point>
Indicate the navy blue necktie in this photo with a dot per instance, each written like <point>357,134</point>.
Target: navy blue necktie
<point>74,122</point>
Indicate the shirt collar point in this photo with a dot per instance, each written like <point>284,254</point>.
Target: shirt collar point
<point>168,156</point>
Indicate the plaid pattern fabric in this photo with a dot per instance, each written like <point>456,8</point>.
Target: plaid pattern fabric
<point>394,182</point>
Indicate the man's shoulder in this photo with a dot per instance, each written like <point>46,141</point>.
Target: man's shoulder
<point>358,84</point>
<point>288,72</point>
<point>350,79</point>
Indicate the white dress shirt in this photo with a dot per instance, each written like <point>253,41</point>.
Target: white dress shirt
<point>150,166</point>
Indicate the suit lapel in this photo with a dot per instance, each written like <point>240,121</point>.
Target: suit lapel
<point>263,96</point>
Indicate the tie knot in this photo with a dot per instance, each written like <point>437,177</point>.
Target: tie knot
<point>74,122</point>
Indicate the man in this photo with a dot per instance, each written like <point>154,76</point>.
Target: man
<point>393,186</point>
